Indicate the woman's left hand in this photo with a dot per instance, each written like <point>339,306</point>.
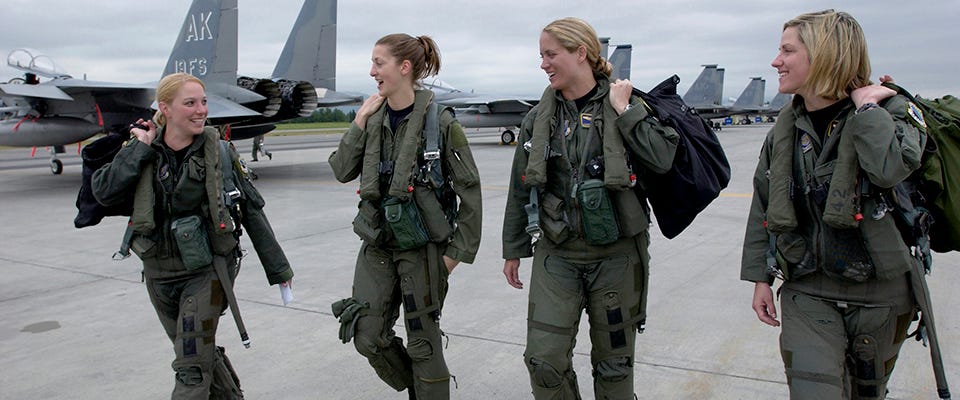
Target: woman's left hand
<point>450,263</point>
<point>286,292</point>
<point>872,94</point>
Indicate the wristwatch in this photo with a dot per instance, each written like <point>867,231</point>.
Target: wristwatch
<point>866,106</point>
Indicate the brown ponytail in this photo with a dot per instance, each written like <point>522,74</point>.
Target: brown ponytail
<point>421,51</point>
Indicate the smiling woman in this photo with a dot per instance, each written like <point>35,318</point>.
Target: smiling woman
<point>185,227</point>
<point>832,158</point>
<point>419,217</point>
<point>574,193</point>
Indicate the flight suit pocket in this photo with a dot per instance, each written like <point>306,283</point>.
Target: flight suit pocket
<point>434,217</point>
<point>190,185</point>
<point>405,222</point>
<point>367,223</point>
<point>630,211</point>
<point>847,257</point>
<point>599,222</point>
<point>143,247</point>
<point>462,168</point>
<point>794,256</point>
<point>192,241</point>
<point>195,169</point>
<point>554,226</point>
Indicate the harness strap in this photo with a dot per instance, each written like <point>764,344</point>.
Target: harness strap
<point>533,214</point>
<point>220,267</point>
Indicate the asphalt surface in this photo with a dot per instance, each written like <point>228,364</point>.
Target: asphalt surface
<point>77,325</point>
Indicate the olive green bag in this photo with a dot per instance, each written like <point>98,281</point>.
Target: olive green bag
<point>404,220</point>
<point>192,240</point>
<point>599,220</point>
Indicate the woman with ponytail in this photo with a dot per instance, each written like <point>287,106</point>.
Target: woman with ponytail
<point>419,217</point>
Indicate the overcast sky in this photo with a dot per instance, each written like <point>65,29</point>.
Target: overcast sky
<point>491,46</point>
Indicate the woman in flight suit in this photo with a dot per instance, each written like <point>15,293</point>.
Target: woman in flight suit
<point>420,216</point>
<point>185,232</point>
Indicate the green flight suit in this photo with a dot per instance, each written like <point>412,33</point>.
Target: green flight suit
<point>839,337</point>
<point>188,302</point>
<point>385,277</point>
<point>570,275</point>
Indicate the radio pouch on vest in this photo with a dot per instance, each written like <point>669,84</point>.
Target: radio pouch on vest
<point>599,221</point>
<point>404,220</point>
<point>366,223</point>
<point>191,237</point>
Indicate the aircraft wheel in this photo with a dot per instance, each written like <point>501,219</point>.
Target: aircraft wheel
<point>507,137</point>
<point>56,166</point>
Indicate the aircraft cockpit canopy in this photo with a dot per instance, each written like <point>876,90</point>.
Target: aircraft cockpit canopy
<point>35,62</point>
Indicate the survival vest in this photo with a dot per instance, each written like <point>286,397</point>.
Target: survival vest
<point>101,152</point>
<point>937,181</point>
<point>700,169</point>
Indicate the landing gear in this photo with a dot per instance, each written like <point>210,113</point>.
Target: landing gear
<point>507,137</point>
<point>56,166</point>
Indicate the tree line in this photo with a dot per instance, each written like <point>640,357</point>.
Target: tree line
<point>326,115</point>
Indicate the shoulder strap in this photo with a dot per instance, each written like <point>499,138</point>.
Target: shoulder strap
<point>431,132</point>
<point>432,168</point>
<point>230,190</point>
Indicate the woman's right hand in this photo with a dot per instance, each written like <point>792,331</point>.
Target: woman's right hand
<point>511,270</point>
<point>763,304</point>
<point>369,106</point>
<point>144,135</point>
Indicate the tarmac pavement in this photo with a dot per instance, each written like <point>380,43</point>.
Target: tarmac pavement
<point>77,325</point>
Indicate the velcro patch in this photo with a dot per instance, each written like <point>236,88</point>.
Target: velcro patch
<point>586,120</point>
<point>457,138</point>
<point>188,324</point>
<point>916,115</point>
<point>189,346</point>
<point>806,143</point>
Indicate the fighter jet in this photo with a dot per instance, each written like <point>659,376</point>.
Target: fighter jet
<point>706,95</point>
<point>64,110</point>
<point>777,103</point>
<point>706,92</point>
<point>749,101</point>
<point>486,111</point>
<point>303,80</point>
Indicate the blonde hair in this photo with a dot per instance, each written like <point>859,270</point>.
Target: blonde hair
<point>574,32</point>
<point>421,51</point>
<point>837,50</point>
<point>167,91</point>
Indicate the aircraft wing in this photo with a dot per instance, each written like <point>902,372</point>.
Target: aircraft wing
<point>82,84</point>
<point>221,107</point>
<point>330,98</point>
<point>36,91</point>
<point>489,104</point>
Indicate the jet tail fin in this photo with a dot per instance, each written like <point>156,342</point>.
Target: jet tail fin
<point>752,96</point>
<point>707,89</point>
<point>310,53</point>
<point>207,44</point>
<point>780,100</point>
<point>620,59</point>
